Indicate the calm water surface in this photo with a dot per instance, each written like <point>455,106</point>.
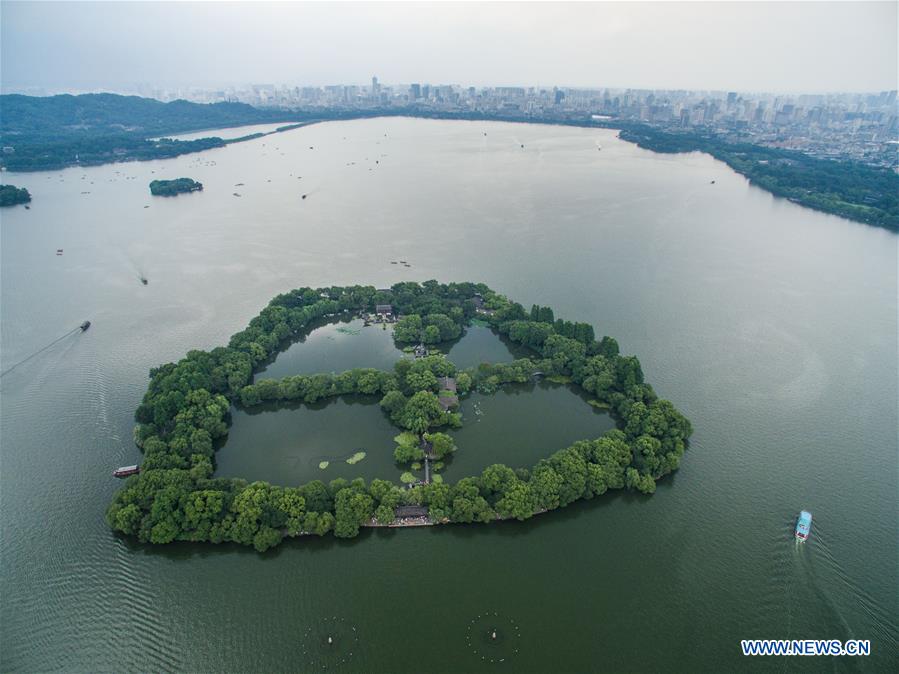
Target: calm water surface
<point>774,328</point>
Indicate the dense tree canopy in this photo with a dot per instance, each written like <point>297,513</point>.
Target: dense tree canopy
<point>171,188</point>
<point>186,410</point>
<point>10,195</point>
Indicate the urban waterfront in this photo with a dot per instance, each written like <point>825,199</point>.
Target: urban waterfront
<point>772,327</point>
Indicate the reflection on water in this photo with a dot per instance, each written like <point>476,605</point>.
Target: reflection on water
<point>521,424</point>
<point>336,347</point>
<point>479,345</point>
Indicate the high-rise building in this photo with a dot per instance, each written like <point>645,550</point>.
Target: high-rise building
<point>415,91</point>
<point>375,87</point>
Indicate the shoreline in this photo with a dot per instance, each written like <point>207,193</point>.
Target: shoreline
<point>641,135</point>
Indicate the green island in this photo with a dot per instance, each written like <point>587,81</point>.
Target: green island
<point>10,195</point>
<point>171,188</point>
<point>185,411</point>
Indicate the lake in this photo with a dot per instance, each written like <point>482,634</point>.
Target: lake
<point>772,327</point>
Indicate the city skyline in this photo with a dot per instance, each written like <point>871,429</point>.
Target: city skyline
<point>805,47</point>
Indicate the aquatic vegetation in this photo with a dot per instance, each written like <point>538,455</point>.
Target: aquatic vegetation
<point>407,478</point>
<point>324,464</point>
<point>356,458</point>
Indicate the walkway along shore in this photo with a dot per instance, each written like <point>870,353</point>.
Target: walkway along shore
<point>408,523</point>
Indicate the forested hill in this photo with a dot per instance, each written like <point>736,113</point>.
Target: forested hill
<point>58,117</point>
<point>45,133</point>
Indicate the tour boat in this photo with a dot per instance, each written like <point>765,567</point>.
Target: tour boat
<point>126,471</point>
<point>84,326</point>
<point>803,525</point>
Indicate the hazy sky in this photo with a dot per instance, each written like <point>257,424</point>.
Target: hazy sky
<point>781,46</point>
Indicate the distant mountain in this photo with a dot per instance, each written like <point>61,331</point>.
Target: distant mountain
<point>44,133</point>
<point>99,114</point>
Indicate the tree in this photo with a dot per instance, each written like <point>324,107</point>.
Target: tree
<point>546,485</point>
<point>10,195</point>
<point>421,411</point>
<point>497,478</point>
<point>202,509</point>
<point>316,496</point>
<point>385,514</point>
<point>408,329</point>
<point>517,501</point>
<point>441,444</point>
<point>572,468</point>
<point>352,508</point>
<point>462,510</point>
<point>431,335</point>
<point>393,402</point>
<point>421,381</point>
<point>643,483</point>
<point>608,348</point>
<point>445,327</point>
<point>127,519</point>
<point>463,382</point>
<point>408,453</point>
<point>164,532</point>
<point>292,509</point>
<point>266,538</point>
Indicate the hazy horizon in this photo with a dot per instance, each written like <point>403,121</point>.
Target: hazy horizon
<point>795,47</point>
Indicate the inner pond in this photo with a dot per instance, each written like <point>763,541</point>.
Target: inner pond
<point>348,344</point>
<point>287,445</point>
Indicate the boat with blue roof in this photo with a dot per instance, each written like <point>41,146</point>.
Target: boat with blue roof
<point>803,525</point>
